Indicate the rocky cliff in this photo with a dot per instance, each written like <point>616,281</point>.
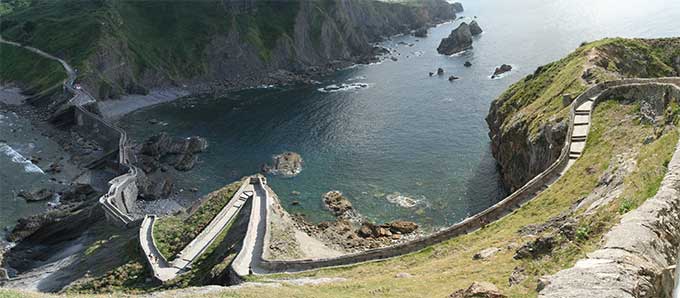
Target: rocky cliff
<point>527,122</point>
<point>124,47</point>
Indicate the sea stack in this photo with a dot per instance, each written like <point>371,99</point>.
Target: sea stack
<point>475,29</point>
<point>459,40</point>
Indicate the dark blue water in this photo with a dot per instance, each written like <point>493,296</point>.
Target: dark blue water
<point>406,133</point>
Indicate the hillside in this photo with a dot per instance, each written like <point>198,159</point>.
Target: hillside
<point>124,47</point>
<point>527,122</point>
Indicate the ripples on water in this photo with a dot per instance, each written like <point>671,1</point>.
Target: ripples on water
<point>408,135</point>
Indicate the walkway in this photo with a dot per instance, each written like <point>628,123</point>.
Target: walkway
<point>164,270</point>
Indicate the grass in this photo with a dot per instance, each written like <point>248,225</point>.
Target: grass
<point>537,99</point>
<point>173,233</point>
<point>32,72</point>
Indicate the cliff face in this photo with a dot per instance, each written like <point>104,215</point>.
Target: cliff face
<point>527,122</point>
<point>132,46</point>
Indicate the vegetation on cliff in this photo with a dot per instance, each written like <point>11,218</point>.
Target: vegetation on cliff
<point>126,46</point>
<point>34,73</point>
<point>527,121</point>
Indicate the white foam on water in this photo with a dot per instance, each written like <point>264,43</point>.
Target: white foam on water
<point>16,157</point>
<point>343,87</point>
<point>402,200</point>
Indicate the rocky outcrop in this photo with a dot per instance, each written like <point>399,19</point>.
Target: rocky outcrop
<point>459,40</point>
<point>422,33</point>
<point>501,70</point>
<point>458,7</point>
<point>478,290</point>
<point>287,164</point>
<point>337,203</point>
<point>180,152</point>
<point>34,196</point>
<point>475,29</point>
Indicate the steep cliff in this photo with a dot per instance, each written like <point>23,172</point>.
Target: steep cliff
<point>131,46</point>
<point>527,122</point>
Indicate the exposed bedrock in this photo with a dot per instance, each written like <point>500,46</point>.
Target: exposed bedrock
<point>459,40</point>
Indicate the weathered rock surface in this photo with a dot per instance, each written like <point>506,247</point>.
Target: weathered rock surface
<point>478,290</point>
<point>180,152</point>
<point>459,40</point>
<point>35,196</point>
<point>337,203</point>
<point>475,29</point>
<point>402,226</point>
<point>421,32</point>
<point>486,253</point>
<point>287,164</point>
<point>501,70</point>
<point>536,248</point>
<point>458,7</point>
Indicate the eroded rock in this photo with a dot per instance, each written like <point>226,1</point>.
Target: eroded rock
<point>459,40</point>
<point>478,290</point>
<point>287,164</point>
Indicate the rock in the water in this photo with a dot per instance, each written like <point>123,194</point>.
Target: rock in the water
<point>440,71</point>
<point>186,162</point>
<point>478,290</point>
<point>422,32</point>
<point>459,40</point>
<point>453,78</point>
<point>458,7</point>
<point>40,195</point>
<point>475,29</point>
<point>467,64</point>
<point>486,253</point>
<point>402,226</point>
<point>501,70</point>
<point>286,164</point>
<point>337,203</point>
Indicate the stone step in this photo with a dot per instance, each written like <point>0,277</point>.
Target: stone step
<point>584,113</point>
<point>582,123</point>
<point>578,138</point>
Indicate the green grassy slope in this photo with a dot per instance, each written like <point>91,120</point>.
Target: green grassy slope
<point>33,72</point>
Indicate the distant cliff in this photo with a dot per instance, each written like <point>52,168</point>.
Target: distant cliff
<point>124,47</point>
<point>528,121</point>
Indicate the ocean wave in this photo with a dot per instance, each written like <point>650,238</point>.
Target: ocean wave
<point>343,87</point>
<point>357,78</point>
<point>16,157</point>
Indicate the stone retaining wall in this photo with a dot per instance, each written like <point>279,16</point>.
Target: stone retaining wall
<point>493,213</point>
<point>637,253</point>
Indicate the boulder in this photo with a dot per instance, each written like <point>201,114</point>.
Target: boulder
<point>453,78</point>
<point>467,64</point>
<point>536,248</point>
<point>459,40</point>
<point>39,195</point>
<point>337,203</point>
<point>440,71</point>
<point>457,7</point>
<point>486,253</point>
<point>287,164</point>
<point>402,226</point>
<point>501,70</point>
<point>422,32</point>
<point>475,29</point>
<point>567,99</point>
<point>517,276</point>
<point>155,189</point>
<point>478,290</point>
